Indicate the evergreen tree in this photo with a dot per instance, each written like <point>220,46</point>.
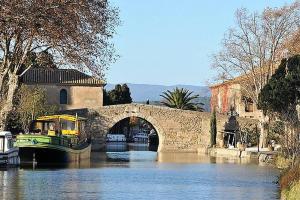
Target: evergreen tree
<point>125,94</point>
<point>106,99</point>
<point>119,95</point>
<point>213,129</point>
<point>279,100</point>
<point>282,92</point>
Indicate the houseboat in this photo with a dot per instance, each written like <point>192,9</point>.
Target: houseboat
<point>9,155</point>
<point>141,137</point>
<point>55,139</point>
<point>115,138</point>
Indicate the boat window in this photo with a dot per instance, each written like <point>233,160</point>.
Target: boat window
<point>63,96</point>
<point>67,125</point>
<point>2,144</point>
<point>10,144</point>
<point>49,126</point>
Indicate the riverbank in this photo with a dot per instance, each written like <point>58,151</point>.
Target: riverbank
<point>264,156</point>
<point>289,183</point>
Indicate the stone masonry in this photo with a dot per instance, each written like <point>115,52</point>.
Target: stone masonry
<point>178,130</point>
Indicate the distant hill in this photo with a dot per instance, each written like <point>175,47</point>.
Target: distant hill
<point>142,92</point>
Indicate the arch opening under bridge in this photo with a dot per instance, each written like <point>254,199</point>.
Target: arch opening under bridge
<point>135,127</point>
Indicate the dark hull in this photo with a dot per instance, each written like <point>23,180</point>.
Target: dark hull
<point>153,140</point>
<point>48,156</point>
<point>10,158</point>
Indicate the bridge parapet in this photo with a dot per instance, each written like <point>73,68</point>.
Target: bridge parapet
<point>178,130</point>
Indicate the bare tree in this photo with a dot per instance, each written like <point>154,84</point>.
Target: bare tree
<point>254,47</point>
<point>75,32</point>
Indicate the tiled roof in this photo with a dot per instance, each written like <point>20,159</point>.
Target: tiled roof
<point>59,76</point>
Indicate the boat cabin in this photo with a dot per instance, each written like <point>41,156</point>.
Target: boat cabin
<point>115,138</point>
<point>6,141</point>
<point>57,125</point>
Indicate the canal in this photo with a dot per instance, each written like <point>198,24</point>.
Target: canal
<point>138,174</point>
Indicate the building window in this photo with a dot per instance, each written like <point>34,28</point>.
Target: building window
<point>249,106</point>
<point>63,96</point>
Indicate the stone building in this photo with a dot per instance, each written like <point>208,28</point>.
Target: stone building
<point>227,97</point>
<point>67,88</point>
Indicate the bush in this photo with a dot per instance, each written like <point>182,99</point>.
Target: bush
<point>289,177</point>
<point>31,102</point>
<point>282,162</point>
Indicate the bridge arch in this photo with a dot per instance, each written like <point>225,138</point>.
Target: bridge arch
<point>178,130</point>
<point>148,118</point>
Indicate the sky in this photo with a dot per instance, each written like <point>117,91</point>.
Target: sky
<point>170,42</point>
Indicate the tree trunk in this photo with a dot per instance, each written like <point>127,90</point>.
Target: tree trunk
<point>263,133</point>
<point>12,85</point>
<point>2,82</point>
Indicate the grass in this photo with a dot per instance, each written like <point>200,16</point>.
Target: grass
<point>290,183</point>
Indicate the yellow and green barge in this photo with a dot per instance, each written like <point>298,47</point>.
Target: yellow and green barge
<point>55,139</point>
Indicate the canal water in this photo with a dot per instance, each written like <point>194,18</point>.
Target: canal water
<point>138,174</point>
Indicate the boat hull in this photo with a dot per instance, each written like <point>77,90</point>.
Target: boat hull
<point>52,155</point>
<point>10,158</point>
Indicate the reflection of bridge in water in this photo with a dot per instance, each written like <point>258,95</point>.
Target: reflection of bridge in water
<point>123,146</point>
<point>178,130</point>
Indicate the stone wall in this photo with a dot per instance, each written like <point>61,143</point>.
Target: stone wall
<point>229,95</point>
<point>178,130</point>
<point>78,96</point>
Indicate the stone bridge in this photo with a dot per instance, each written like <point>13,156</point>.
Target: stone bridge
<point>178,130</point>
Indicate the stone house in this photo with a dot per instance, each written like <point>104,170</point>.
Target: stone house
<point>227,97</point>
<point>67,88</point>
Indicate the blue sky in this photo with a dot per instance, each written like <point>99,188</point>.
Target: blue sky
<point>171,41</point>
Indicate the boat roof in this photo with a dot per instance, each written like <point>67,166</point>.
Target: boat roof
<point>65,117</point>
<point>109,134</point>
<point>5,133</point>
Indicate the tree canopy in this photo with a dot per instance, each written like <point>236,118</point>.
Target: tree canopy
<point>255,45</point>
<point>181,98</point>
<point>119,95</point>
<point>41,60</point>
<point>75,32</point>
<point>279,99</point>
<point>282,92</point>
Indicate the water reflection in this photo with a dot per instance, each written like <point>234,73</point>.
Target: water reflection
<point>144,175</point>
<point>123,146</point>
<point>9,184</point>
<point>201,158</point>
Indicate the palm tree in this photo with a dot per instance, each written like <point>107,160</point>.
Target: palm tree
<point>181,98</point>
